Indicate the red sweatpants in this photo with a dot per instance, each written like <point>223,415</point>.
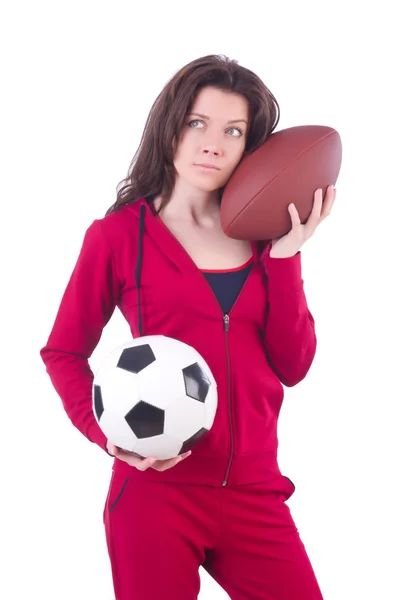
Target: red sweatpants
<point>159,534</point>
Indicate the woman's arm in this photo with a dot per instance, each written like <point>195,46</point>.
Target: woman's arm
<point>290,339</point>
<point>87,305</point>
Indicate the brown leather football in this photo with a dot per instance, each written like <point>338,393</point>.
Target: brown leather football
<point>288,167</point>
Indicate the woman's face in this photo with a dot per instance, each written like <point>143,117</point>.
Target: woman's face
<point>214,132</point>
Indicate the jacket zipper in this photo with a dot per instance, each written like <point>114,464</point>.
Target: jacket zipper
<point>226,325</point>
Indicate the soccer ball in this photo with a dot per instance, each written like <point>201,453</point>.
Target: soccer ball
<point>154,396</point>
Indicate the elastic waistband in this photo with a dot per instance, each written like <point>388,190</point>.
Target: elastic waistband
<point>210,470</point>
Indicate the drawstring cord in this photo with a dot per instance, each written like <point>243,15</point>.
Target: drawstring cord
<point>138,268</point>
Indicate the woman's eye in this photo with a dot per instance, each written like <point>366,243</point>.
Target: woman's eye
<point>194,121</point>
<point>238,130</point>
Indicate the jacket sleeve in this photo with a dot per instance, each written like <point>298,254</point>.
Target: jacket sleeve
<point>87,305</point>
<point>290,339</point>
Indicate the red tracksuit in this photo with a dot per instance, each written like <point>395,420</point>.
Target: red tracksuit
<point>222,508</point>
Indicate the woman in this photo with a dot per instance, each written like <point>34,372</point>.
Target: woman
<point>161,257</point>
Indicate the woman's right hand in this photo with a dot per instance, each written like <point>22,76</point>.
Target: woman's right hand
<point>144,463</point>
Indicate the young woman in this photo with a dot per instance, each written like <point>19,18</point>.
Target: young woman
<point>160,256</point>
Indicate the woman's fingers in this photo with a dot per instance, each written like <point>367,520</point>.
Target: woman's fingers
<point>146,463</point>
<point>162,465</point>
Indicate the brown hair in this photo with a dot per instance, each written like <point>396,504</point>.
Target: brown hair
<point>152,172</point>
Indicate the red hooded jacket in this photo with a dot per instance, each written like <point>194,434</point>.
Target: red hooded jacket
<point>131,260</point>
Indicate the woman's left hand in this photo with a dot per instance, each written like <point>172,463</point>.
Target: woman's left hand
<point>292,242</point>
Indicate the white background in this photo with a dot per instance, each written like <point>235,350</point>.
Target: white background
<point>78,80</point>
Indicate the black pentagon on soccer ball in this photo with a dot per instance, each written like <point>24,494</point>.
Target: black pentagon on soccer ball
<point>192,441</point>
<point>136,358</point>
<point>98,401</point>
<point>197,383</point>
<point>146,420</point>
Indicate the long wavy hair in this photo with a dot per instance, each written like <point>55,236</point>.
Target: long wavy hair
<point>151,171</point>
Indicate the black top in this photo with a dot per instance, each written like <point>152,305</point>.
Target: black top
<point>227,284</point>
